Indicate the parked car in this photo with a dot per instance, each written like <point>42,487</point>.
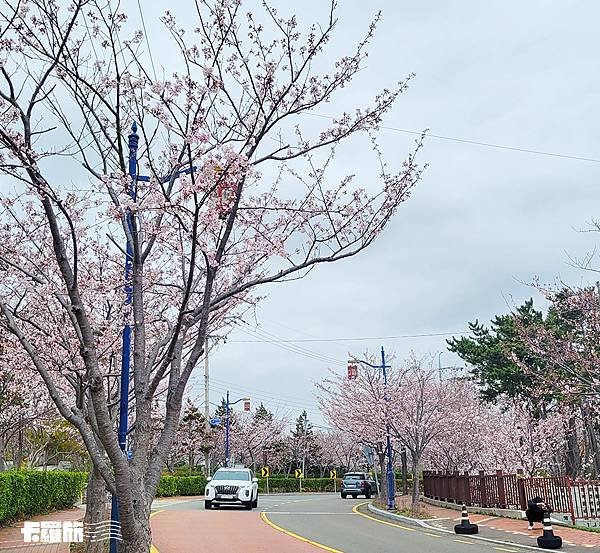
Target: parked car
<point>357,483</point>
<point>230,486</point>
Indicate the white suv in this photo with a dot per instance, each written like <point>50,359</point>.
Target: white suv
<point>232,486</point>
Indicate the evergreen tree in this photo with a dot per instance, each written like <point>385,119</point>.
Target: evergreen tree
<point>491,351</point>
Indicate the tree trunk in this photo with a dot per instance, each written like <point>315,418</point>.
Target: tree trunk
<point>415,487</point>
<point>95,509</point>
<point>573,460</point>
<point>382,480</point>
<point>2,464</point>
<point>404,471</point>
<point>592,440</point>
<point>135,529</point>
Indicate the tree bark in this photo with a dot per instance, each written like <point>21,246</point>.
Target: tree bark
<point>2,447</point>
<point>404,471</point>
<point>415,487</point>
<point>573,459</point>
<point>95,508</point>
<point>382,480</point>
<point>592,440</point>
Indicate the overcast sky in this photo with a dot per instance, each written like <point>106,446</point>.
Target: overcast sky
<point>483,222</point>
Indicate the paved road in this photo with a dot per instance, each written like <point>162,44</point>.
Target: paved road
<point>299,524</point>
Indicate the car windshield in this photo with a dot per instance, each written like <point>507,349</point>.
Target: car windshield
<point>352,477</point>
<point>231,475</point>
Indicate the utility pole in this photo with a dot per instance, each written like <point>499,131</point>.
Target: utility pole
<point>206,405</point>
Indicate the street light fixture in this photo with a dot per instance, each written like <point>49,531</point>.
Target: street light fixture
<point>391,484</point>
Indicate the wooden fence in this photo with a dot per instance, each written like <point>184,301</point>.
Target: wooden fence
<point>578,498</point>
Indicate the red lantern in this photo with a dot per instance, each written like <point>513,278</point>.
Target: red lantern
<point>225,193</point>
<point>352,370</point>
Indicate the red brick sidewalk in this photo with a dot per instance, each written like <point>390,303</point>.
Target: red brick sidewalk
<point>505,529</point>
<point>11,538</point>
<point>218,531</point>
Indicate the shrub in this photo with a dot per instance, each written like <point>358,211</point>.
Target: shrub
<point>26,493</point>
<point>291,485</point>
<point>180,485</point>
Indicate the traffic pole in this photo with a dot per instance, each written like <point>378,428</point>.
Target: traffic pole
<point>391,485</point>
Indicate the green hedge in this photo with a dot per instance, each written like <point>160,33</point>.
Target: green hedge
<point>180,485</point>
<point>194,485</point>
<point>289,485</point>
<point>25,493</point>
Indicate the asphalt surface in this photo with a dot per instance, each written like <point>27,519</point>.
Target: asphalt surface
<point>332,521</point>
<point>303,523</point>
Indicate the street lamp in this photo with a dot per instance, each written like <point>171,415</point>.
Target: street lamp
<point>391,484</point>
<point>133,141</point>
<point>246,401</point>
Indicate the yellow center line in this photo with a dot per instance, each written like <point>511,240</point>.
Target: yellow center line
<point>265,518</point>
<point>432,535</point>
<point>506,549</point>
<point>463,541</point>
<point>152,546</point>
<point>355,510</point>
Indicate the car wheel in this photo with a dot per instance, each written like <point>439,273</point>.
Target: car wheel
<point>343,496</point>
<point>368,495</point>
<point>255,502</point>
<point>207,505</point>
<point>354,496</point>
<point>248,505</point>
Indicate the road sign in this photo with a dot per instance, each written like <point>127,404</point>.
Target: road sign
<point>247,405</point>
<point>265,472</point>
<point>216,421</point>
<point>298,473</point>
<point>333,474</point>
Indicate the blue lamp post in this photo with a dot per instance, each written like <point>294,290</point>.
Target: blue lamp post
<point>133,141</point>
<point>391,483</point>
<point>227,405</point>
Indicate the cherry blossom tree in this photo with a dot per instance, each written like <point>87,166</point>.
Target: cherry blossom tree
<point>192,440</point>
<point>339,450</point>
<point>253,439</point>
<point>24,402</point>
<point>357,407</point>
<point>263,201</point>
<point>503,436</point>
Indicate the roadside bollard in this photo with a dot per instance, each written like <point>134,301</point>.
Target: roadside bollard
<point>465,526</point>
<point>548,540</point>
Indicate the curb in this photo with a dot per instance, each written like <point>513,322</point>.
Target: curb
<point>423,524</point>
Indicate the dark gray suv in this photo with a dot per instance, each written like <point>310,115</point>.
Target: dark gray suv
<point>357,483</point>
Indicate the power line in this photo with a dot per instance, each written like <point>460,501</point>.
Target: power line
<point>476,142</point>
<point>270,336</point>
<point>296,399</point>
<point>355,339</point>
<point>264,338</point>
<point>146,36</point>
<point>267,398</point>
